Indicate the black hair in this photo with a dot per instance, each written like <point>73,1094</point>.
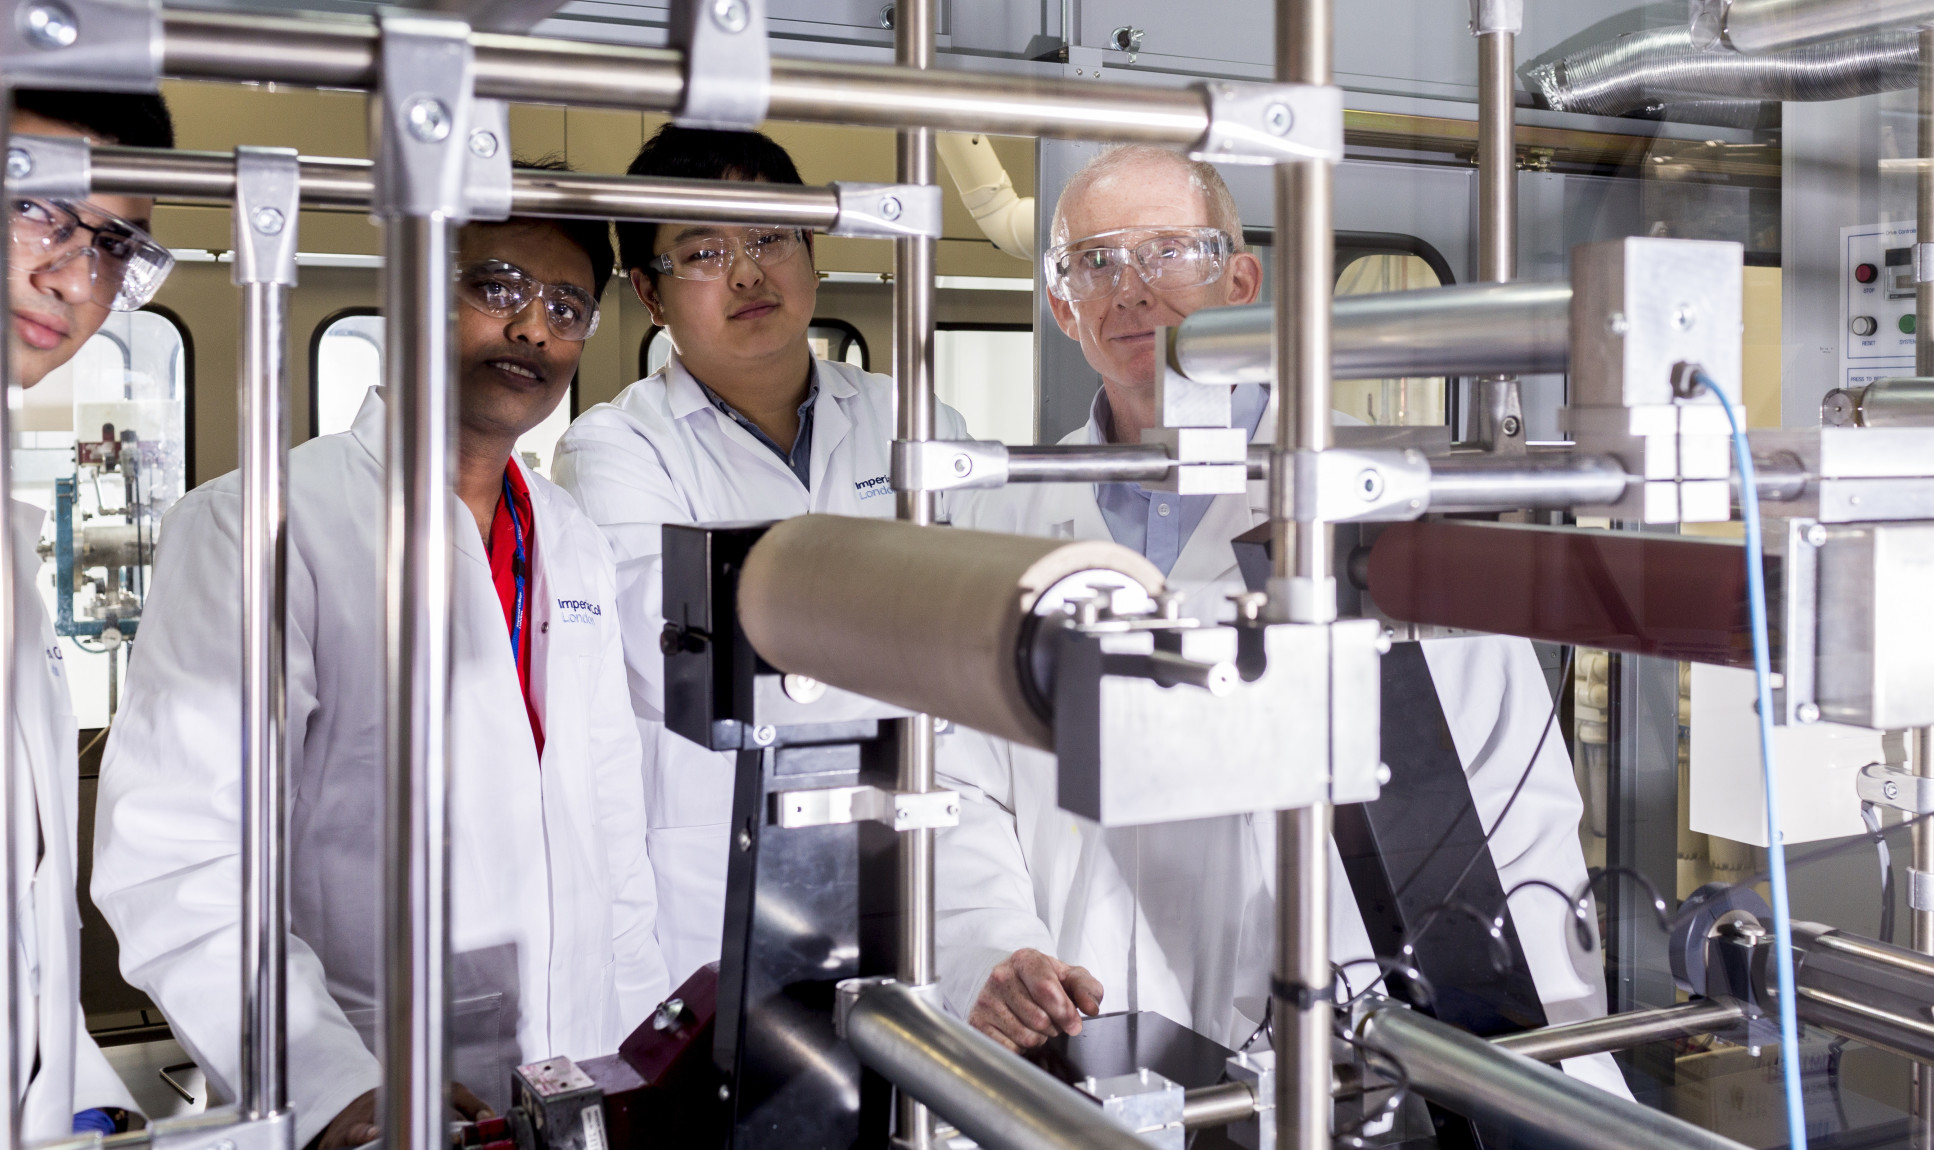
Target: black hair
<point>593,236</point>
<point>699,154</point>
<point>131,119</point>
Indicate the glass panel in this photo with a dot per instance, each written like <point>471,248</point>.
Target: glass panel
<point>103,447</point>
<point>988,376</point>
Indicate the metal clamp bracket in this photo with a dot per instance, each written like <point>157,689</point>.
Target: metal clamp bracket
<point>1896,787</point>
<point>1208,460</point>
<point>1343,485</point>
<point>50,167</point>
<point>268,202</point>
<point>487,167</point>
<point>1489,16</point>
<point>1145,1102</point>
<point>223,1129</point>
<point>99,45</point>
<point>1258,1072</point>
<point>836,806</point>
<point>1920,890</point>
<point>849,990</point>
<point>728,62</point>
<point>948,464</point>
<point>428,108</point>
<point>1271,123</point>
<point>887,211</point>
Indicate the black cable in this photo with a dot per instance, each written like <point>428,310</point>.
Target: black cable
<point>1870,815</point>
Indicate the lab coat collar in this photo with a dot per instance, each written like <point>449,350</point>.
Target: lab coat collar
<point>369,431</point>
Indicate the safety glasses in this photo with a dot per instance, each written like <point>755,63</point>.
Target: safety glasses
<point>1167,259</point>
<point>710,257</point>
<point>125,266</point>
<point>501,290</point>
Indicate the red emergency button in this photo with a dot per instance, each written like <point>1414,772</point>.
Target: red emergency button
<point>1866,273</point>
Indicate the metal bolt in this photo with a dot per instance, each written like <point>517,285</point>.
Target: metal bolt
<point>802,688</point>
<point>953,809</point>
<point>428,119</point>
<point>1385,639</point>
<point>886,16</point>
<point>901,814</point>
<point>1618,325</point>
<point>1511,426</point>
<point>1278,119</point>
<point>268,221</point>
<point>50,25</point>
<point>763,735</point>
<point>20,163</point>
<point>1683,317</point>
<point>725,1093</point>
<point>666,1016</point>
<point>889,208</point>
<point>731,15</point>
<point>1369,483</point>
<point>1891,789</point>
<point>1816,536</point>
<point>963,466</point>
<point>483,145</point>
<point>1807,713</point>
<point>745,840</point>
<point>1383,774</point>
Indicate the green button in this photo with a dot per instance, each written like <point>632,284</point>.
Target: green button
<point>1907,324</point>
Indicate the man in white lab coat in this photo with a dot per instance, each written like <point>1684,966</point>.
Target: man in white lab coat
<point>71,264</point>
<point>552,897</point>
<point>742,423</point>
<point>1042,915</point>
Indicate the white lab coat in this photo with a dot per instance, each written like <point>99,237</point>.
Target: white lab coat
<point>1179,918</point>
<point>72,1074</point>
<point>552,897</point>
<point>662,453</point>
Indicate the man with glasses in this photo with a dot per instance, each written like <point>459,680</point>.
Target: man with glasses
<point>742,423</point>
<point>70,264</point>
<point>1041,914</point>
<point>551,892</point>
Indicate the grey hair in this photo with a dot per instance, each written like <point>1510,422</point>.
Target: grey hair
<point>1203,176</point>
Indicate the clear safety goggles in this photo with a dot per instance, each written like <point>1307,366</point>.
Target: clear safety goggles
<point>500,289</point>
<point>125,265</point>
<point>710,257</point>
<point>1167,259</point>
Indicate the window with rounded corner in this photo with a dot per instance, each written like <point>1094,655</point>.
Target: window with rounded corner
<point>346,360</point>
<point>104,447</point>
<point>1410,401</point>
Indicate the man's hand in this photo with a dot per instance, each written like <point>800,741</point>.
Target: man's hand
<point>356,1124</point>
<point>1032,997</point>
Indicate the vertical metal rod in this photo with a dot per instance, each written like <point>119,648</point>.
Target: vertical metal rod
<point>1922,756</point>
<point>419,474</point>
<point>265,469</point>
<point>1500,407</point>
<point>1924,221</point>
<point>913,272</point>
<point>1303,588</point>
<point>15,798</point>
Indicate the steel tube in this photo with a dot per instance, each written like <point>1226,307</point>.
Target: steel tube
<point>337,52</point>
<point>1217,1105</point>
<point>1000,1101</point>
<point>1099,463</point>
<point>1921,752</point>
<point>1924,205</point>
<point>1621,1031</point>
<point>16,788</point>
<point>1872,991</point>
<point>1537,1104</point>
<point>1499,418</point>
<point>1767,25</point>
<point>1556,481</point>
<point>1902,401</point>
<point>1468,329</point>
<point>264,546</point>
<point>419,474</point>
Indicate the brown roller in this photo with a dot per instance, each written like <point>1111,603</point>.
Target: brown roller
<point>928,618</point>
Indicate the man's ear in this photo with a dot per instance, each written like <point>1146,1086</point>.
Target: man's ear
<point>1064,316</point>
<point>648,295</point>
<point>1245,278</point>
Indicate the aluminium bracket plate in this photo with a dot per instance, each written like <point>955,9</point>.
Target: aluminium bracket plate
<point>887,211</point>
<point>1271,123</point>
<point>50,167</point>
<point>837,806</point>
<point>1898,788</point>
<point>97,45</point>
<point>948,464</point>
<point>1489,16</point>
<point>728,62</point>
<point>268,202</point>
<point>427,107</point>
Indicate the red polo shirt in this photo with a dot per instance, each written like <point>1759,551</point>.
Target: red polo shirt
<point>513,560</point>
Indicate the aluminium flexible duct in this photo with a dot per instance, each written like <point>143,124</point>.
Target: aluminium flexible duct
<point>1660,67</point>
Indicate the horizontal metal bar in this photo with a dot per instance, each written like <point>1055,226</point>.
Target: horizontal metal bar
<point>1535,1104</point>
<point>340,52</point>
<point>1217,1105</point>
<point>1090,463</point>
<point>998,1100</point>
<point>1555,481</point>
<point>1768,25</point>
<point>1621,1031</point>
<point>1473,329</point>
<point>1871,991</point>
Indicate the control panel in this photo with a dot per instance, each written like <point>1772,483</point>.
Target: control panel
<point>1877,318</point>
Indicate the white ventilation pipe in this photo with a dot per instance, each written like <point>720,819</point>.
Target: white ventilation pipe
<point>1005,218</point>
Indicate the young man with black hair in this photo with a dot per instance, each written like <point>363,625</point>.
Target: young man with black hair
<point>743,422</point>
<point>552,895</point>
<point>70,264</point>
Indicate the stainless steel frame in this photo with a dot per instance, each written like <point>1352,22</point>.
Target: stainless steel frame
<point>13,1076</point>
